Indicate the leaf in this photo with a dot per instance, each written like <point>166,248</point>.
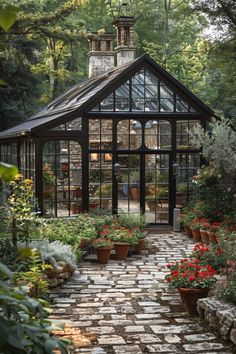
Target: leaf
<point>7,172</point>
<point>8,16</point>
<point>2,82</point>
<point>14,342</point>
<point>6,271</point>
<point>50,345</point>
<point>4,333</point>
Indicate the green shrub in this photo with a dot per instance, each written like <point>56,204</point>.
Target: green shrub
<point>131,220</point>
<point>23,323</point>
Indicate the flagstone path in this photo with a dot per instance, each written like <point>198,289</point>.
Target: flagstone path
<point>126,307</point>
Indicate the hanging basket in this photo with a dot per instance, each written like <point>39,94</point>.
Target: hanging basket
<point>190,297</point>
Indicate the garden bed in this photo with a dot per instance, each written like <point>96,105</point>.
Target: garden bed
<point>220,316</point>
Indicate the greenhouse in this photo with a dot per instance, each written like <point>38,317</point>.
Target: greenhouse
<point>116,142</point>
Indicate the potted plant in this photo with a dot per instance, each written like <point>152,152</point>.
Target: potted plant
<point>104,194</point>
<point>204,230</point>
<point>48,181</point>
<point>192,280</point>
<point>212,255</point>
<point>134,184</point>
<point>140,245</point>
<point>195,228</point>
<point>185,220</point>
<point>103,247</point>
<point>122,238</point>
<point>213,228</point>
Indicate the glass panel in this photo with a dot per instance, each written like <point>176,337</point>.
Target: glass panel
<point>129,183</point>
<point>158,135</point>
<point>106,134</point>
<point>122,98</point>
<point>157,188</point>
<point>183,140</point>
<point>107,104</point>
<point>123,128</point>
<point>181,105</point>
<point>129,134</point>
<point>151,79</point>
<point>100,182</point>
<point>75,124</point>
<point>188,167</point>
<point>94,134</point>
<point>62,178</point>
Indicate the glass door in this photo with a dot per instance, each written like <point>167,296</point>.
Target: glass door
<point>157,188</point>
<point>128,184</point>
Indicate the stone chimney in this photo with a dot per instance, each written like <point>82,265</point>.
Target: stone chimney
<point>101,55</point>
<point>125,49</point>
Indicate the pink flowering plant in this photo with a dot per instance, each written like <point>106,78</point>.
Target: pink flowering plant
<point>189,273</point>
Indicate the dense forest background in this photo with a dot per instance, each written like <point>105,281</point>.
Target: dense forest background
<point>45,51</point>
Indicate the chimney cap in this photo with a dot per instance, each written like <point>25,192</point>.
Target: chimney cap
<point>124,21</point>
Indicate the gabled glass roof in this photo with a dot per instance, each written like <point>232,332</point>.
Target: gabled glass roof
<point>85,96</point>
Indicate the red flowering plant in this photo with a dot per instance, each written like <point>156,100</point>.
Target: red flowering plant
<point>212,255</point>
<point>205,225</point>
<point>106,231</point>
<point>121,234</point>
<point>186,218</point>
<point>214,226</point>
<point>196,224</point>
<point>189,273</point>
<point>102,243</point>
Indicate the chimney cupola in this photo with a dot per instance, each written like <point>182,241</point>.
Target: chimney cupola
<point>101,54</point>
<point>125,49</point>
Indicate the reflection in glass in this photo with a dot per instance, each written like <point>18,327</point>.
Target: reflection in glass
<point>183,139</point>
<point>100,183</point>
<point>188,167</point>
<point>129,134</point>
<point>158,134</point>
<point>62,178</point>
<point>157,188</point>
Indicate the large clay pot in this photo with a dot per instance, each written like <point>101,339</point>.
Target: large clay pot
<point>190,297</point>
<point>103,254</point>
<point>140,246</point>
<point>188,231</point>
<point>196,235</point>
<point>212,237</point>
<point>121,249</point>
<point>204,236</point>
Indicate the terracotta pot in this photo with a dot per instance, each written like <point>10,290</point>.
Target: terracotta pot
<point>140,246</point>
<point>121,249</point>
<point>103,254</point>
<point>212,237</point>
<point>135,193</point>
<point>204,236</point>
<point>190,297</point>
<point>196,235</point>
<point>188,231</point>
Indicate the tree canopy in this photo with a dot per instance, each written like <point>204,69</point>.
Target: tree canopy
<point>45,50</point>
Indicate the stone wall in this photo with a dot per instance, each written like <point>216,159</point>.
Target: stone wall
<point>220,316</point>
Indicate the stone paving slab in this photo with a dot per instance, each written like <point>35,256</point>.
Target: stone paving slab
<point>126,307</point>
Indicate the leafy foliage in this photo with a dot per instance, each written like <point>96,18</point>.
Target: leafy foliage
<point>24,328</point>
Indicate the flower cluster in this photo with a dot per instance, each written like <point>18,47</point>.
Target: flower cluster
<point>207,176</point>
<point>212,255</point>
<point>102,243</point>
<point>121,234</point>
<point>189,273</point>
